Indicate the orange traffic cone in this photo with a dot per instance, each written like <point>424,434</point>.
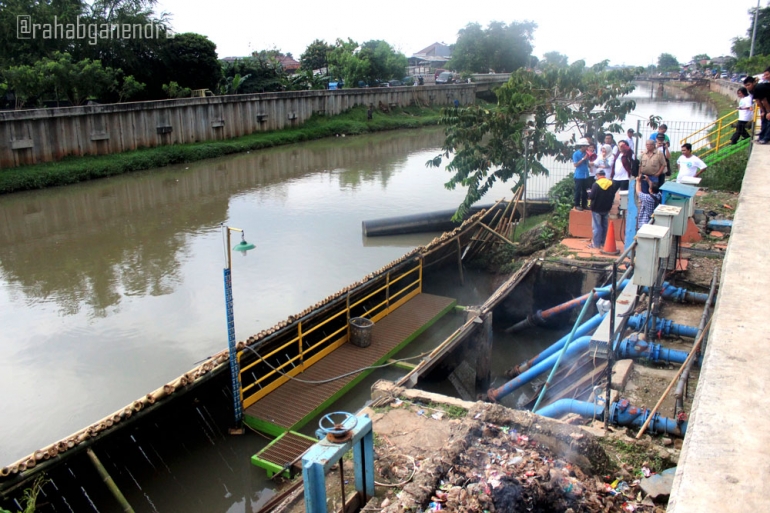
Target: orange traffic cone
<point>609,243</point>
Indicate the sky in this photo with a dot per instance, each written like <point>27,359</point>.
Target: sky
<point>580,30</point>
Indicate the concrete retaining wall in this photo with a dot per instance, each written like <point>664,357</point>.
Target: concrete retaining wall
<point>44,135</point>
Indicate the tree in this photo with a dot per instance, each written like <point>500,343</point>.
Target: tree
<point>191,60</point>
<point>62,78</point>
<point>315,55</point>
<point>555,59</point>
<point>762,41</point>
<point>260,73</point>
<point>667,62</point>
<point>701,57</point>
<point>130,88</point>
<point>174,90</point>
<point>500,47</point>
<point>373,61</point>
<point>741,47</point>
<point>486,145</point>
<point>753,65</point>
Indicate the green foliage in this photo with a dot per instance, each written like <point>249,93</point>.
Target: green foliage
<point>130,88</point>
<point>741,47</point>
<point>555,59</point>
<point>78,169</point>
<point>500,47</point>
<point>373,61</point>
<point>62,78</point>
<point>174,90</point>
<point>667,62</point>
<point>315,55</point>
<point>701,57</point>
<point>487,145</point>
<point>753,65</point>
<point>191,60</point>
<point>726,175</point>
<point>261,73</point>
<point>560,197</point>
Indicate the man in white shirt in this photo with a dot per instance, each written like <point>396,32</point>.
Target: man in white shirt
<point>609,139</point>
<point>745,114</point>
<point>689,164</point>
<point>622,167</point>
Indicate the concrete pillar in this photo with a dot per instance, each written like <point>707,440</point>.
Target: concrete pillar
<point>480,345</point>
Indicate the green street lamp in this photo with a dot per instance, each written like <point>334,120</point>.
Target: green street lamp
<point>243,247</point>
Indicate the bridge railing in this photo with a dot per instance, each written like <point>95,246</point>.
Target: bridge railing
<point>294,348</point>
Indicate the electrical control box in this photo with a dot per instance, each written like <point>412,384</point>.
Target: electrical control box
<point>623,200</point>
<point>680,195</point>
<point>673,218</point>
<point>648,241</point>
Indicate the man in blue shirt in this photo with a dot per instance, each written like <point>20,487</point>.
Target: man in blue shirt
<point>580,161</point>
<point>661,130</point>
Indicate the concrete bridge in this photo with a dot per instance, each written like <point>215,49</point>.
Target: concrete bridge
<point>489,81</point>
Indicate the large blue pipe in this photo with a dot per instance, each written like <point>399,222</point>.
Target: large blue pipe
<point>635,347</point>
<point>631,347</point>
<point>584,329</point>
<point>665,326</point>
<point>578,346</point>
<point>680,294</point>
<point>622,413</point>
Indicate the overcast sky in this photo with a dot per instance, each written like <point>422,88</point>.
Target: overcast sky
<point>582,30</point>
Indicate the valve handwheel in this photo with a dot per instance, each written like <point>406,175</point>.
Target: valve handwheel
<point>338,430</point>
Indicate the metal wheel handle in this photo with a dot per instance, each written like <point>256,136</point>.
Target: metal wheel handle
<point>328,425</point>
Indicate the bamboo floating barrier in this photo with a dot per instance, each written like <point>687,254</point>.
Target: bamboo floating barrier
<point>221,358</point>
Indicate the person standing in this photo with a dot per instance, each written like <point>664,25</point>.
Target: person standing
<point>652,164</point>
<point>761,93</point>
<point>630,139</point>
<point>580,162</point>
<point>602,197</point>
<point>662,129</point>
<point>621,170</point>
<point>648,200</point>
<point>689,164</point>
<point>609,139</point>
<point>745,111</point>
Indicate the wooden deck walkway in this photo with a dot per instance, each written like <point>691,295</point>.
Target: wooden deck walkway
<point>294,403</point>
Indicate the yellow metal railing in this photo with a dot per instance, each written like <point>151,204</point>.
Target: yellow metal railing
<point>305,357</point>
<point>712,138</point>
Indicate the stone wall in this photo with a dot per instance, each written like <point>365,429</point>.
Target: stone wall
<point>45,135</point>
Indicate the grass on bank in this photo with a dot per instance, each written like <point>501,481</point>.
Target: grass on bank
<point>78,169</point>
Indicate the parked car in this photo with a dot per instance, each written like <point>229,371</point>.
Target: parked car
<point>446,77</point>
<point>395,83</point>
<point>438,72</point>
<point>407,81</point>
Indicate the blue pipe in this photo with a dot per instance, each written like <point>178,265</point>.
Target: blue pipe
<point>564,406</point>
<point>622,413</point>
<point>525,377</point>
<point>665,326</point>
<point>634,347</point>
<point>585,328</point>
<point>680,294</point>
<point>629,348</point>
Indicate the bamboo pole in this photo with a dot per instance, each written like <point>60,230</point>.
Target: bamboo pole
<point>496,234</point>
<point>109,482</point>
<point>692,354</point>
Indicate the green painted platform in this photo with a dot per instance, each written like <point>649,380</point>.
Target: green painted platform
<point>283,453</point>
<point>293,404</point>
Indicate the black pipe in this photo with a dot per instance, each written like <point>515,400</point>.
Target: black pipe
<point>438,221</point>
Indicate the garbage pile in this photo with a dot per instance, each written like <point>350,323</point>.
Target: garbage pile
<point>503,470</point>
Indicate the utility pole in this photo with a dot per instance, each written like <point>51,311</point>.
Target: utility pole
<point>754,32</point>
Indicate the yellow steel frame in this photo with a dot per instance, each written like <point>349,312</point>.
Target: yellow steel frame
<point>340,336</point>
<point>717,135</point>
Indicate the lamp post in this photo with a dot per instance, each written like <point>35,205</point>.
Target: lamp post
<point>234,370</point>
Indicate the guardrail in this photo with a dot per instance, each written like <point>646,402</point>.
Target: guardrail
<point>295,348</point>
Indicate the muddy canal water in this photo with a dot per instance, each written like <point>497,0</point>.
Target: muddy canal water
<point>111,288</point>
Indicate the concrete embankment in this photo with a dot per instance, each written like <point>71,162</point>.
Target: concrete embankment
<point>48,135</point>
<point>724,462</point>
